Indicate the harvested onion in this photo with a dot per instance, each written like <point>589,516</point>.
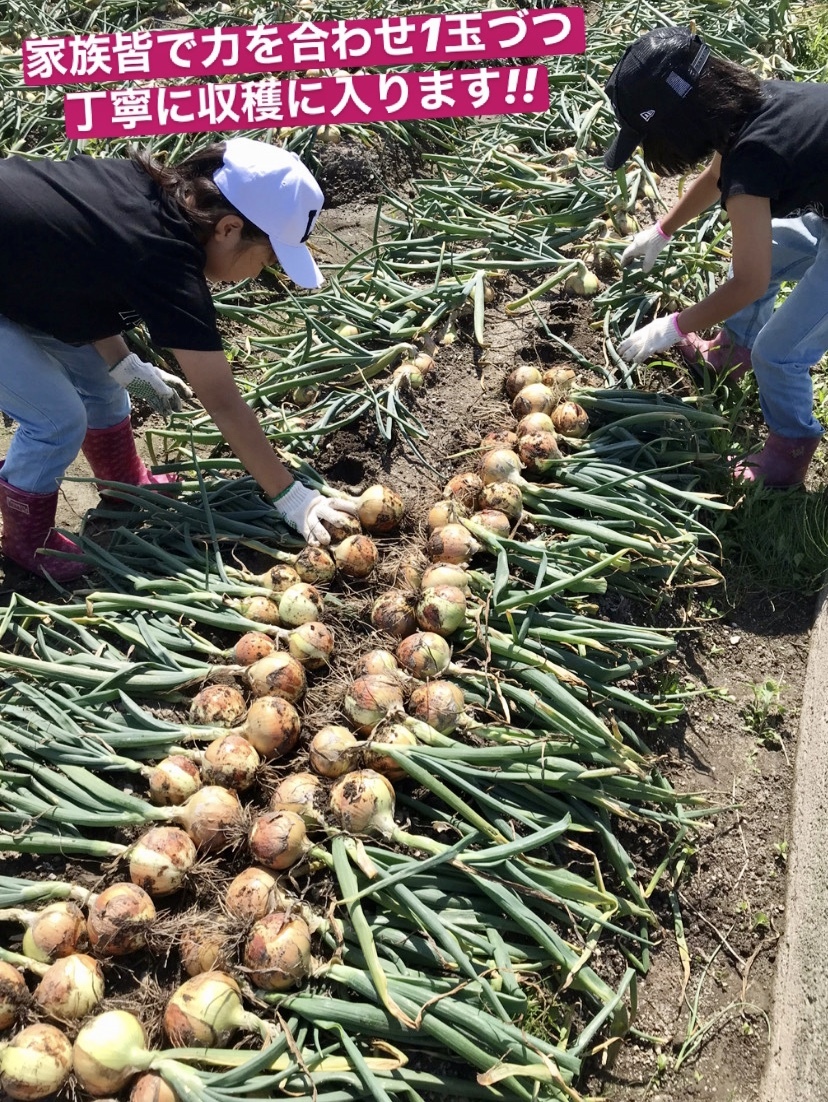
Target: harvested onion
<point>56,931</point>
<point>315,566</point>
<point>278,839</point>
<point>539,451</point>
<point>272,727</point>
<point>150,1087</point>
<point>173,780</point>
<point>278,578</point>
<point>439,704</point>
<point>277,674</point>
<point>206,1011</point>
<point>252,646</point>
<point>311,644</point>
<point>71,988</point>
<point>259,609</point>
<point>299,604</point>
<point>14,994</point>
<point>161,859</point>
<point>345,525</point>
<point>331,750</point>
<point>445,573</point>
<point>464,488</point>
<point>370,699</point>
<point>570,419</point>
<point>535,422</point>
<point>278,952</point>
<point>302,793</point>
<point>380,509</point>
<point>505,497</point>
<point>500,465</point>
<point>393,613</point>
<point>231,761</point>
<point>218,706</point>
<point>251,895</point>
<point>453,544</point>
<point>362,802</point>
<point>424,654</point>
<point>212,817</point>
<point>500,438</point>
<point>356,556</point>
<point>108,1051</point>
<point>203,947</point>
<point>445,512</point>
<point>522,376</point>
<point>378,661</point>
<point>494,521</point>
<point>35,1063</point>
<point>535,398</point>
<point>119,920</point>
<point>376,758</point>
<point>441,608</point>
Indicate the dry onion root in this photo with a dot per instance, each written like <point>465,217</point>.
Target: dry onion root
<point>35,1063</point>
<point>277,953</point>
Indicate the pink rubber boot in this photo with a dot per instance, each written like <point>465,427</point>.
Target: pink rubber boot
<point>27,527</point>
<point>718,355</point>
<point>111,453</point>
<point>783,461</point>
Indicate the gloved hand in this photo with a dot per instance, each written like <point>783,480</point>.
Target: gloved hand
<point>150,383</point>
<point>305,509</point>
<point>655,337</point>
<point>646,245</point>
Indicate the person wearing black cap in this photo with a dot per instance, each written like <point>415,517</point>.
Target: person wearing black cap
<point>766,148</point>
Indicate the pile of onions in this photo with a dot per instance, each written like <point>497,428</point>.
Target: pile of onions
<point>363,802</point>
<point>36,1063</point>
<point>272,727</point>
<point>206,1011</point>
<point>378,661</point>
<point>424,654</point>
<point>277,674</point>
<point>55,931</point>
<point>439,704</point>
<point>315,566</point>
<point>212,817</point>
<point>231,761</point>
<point>120,919</point>
<point>252,646</point>
<point>173,780</point>
<point>570,419</point>
<point>393,614</point>
<point>441,608</point>
<point>302,793</point>
<point>452,544</point>
<point>14,994</point>
<point>299,604</point>
<point>371,699</point>
<point>500,465</point>
<point>525,375</point>
<point>380,509</point>
<point>108,1051</point>
<point>356,556</point>
<point>278,839</point>
<point>464,489</point>
<point>71,988</point>
<point>218,706</point>
<point>311,644</point>
<point>331,750</point>
<point>535,398</point>
<point>161,859</point>
<point>278,952</point>
<point>539,451</point>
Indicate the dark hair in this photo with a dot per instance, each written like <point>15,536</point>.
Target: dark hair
<point>189,185</point>
<point>707,122</point>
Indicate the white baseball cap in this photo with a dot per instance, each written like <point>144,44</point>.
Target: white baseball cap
<point>272,188</point>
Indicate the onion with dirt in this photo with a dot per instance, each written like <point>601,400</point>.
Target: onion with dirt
<point>278,674</point>
<point>277,953</point>
<point>441,608</point>
<point>356,557</point>
<point>161,860</point>
<point>173,780</point>
<point>278,839</point>
<point>300,604</point>
<point>218,706</point>
<point>393,613</point>
<point>331,750</point>
<point>119,920</point>
<point>231,761</point>
<point>380,510</point>
<point>312,644</point>
<point>35,1063</point>
<point>71,988</point>
<point>371,699</point>
<point>424,655</point>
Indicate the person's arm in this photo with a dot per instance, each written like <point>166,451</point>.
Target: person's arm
<point>701,194</point>
<point>112,349</point>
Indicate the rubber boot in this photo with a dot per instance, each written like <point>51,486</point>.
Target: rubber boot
<point>111,453</point>
<point>27,526</point>
<point>718,355</point>
<point>783,461</point>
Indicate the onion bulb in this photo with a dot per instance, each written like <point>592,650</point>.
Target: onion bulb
<point>505,497</point>
<point>302,793</point>
<point>452,543</point>
<point>203,947</point>
<point>441,608</point>
<point>119,920</point>
<point>376,758</point>
<point>278,839</point>
<point>464,488</point>
<point>252,646</point>
<point>108,1051</point>
<point>173,780</point>
<point>277,674</point>
<point>500,438</point>
<point>356,556</point>
<point>231,761</point>
<point>370,699</point>
<point>160,860</point>
<point>299,604</point>
<point>445,512</point>
<point>522,376</point>
<point>206,1011</point>
<point>570,419</point>
<point>259,609</point>
<point>539,451</point>
<point>500,465</point>
<point>494,521</point>
<point>345,525</point>
<point>535,422</point>
<point>363,802</point>
<point>277,953</point>
<point>380,509</point>
<point>272,727</point>
<point>439,704</point>
<point>212,817</point>
<point>445,573</point>
<point>14,994</point>
<point>407,375</point>
<point>36,1063</point>
<point>218,706</point>
<point>250,895</point>
<point>315,566</point>
<point>378,661</point>
<point>311,644</point>
<point>558,376</point>
<point>71,988</point>
<point>582,283</point>
<point>150,1087</point>
<point>424,654</point>
<point>535,398</point>
<point>56,931</point>
<point>423,362</point>
<point>393,614</point>
<point>278,578</point>
<point>331,750</point>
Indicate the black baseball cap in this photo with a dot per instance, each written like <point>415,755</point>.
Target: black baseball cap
<point>649,83</point>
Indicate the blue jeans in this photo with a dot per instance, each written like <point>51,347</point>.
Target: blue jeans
<point>787,342</point>
<point>54,391</point>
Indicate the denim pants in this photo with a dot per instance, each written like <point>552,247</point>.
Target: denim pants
<point>786,343</point>
<point>54,391</point>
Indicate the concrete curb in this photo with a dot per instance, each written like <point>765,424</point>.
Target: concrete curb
<point>797,1065</point>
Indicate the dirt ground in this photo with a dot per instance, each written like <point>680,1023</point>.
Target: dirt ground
<point>701,1028</point>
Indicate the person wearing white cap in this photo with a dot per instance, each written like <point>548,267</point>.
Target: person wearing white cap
<point>92,246</point>
<point>765,143</point>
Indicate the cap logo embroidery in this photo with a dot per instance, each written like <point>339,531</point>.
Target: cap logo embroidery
<point>647,115</point>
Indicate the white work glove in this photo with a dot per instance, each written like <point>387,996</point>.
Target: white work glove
<point>305,509</point>
<point>656,337</point>
<point>150,383</point>
<point>645,246</point>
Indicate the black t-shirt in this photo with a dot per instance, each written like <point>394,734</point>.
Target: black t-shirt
<point>90,246</point>
<point>781,152</point>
